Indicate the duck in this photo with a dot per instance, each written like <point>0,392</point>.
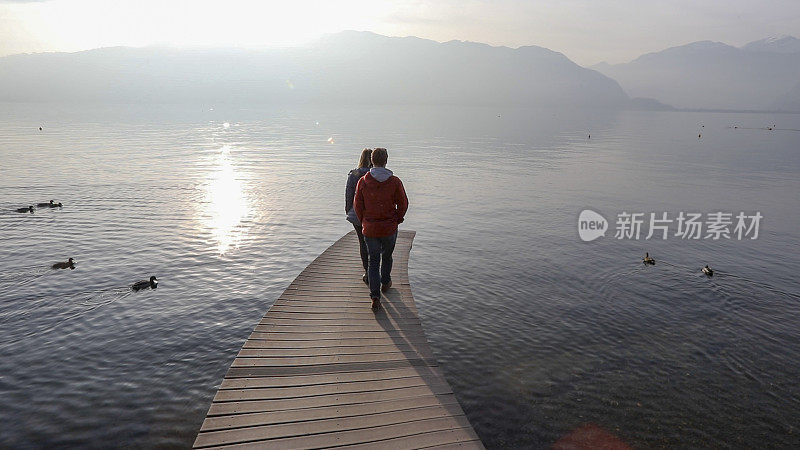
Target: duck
<point>144,284</point>
<point>648,260</point>
<point>50,204</point>
<point>707,270</point>
<point>69,264</point>
<point>24,210</point>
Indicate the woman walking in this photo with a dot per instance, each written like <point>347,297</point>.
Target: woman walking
<point>364,164</point>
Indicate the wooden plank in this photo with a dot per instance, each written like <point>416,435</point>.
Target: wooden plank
<point>322,369</point>
<point>308,380</point>
<point>238,407</point>
<point>394,312</point>
<point>408,328</point>
<point>324,425</point>
<point>398,347</point>
<point>312,311</point>
<point>313,325</point>
<point>337,319</point>
<point>325,412</point>
<point>312,277</point>
<point>337,287</point>
<point>283,361</point>
<point>264,348</point>
<point>457,424</point>
<point>474,444</point>
<point>356,342</point>
<point>391,307</point>
<point>228,395</point>
<point>363,306</point>
<point>333,340</point>
<point>363,302</point>
<point>338,294</point>
<point>283,370</point>
<point>310,335</point>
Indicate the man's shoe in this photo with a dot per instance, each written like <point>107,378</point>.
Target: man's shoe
<point>385,287</point>
<point>376,303</point>
<point>365,279</point>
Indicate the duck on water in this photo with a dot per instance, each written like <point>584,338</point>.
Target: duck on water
<point>648,260</point>
<point>145,284</point>
<point>68,264</point>
<point>707,270</point>
<point>51,204</point>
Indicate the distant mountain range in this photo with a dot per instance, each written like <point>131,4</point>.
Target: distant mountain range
<point>761,75</point>
<point>366,68</point>
<point>777,44</point>
<point>348,67</point>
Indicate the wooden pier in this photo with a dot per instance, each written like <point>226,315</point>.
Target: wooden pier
<point>322,369</point>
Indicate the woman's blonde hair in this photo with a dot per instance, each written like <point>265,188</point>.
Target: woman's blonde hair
<point>366,158</point>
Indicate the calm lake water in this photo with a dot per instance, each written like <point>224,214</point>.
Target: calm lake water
<point>537,331</point>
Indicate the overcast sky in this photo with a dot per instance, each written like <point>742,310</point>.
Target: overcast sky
<point>587,31</point>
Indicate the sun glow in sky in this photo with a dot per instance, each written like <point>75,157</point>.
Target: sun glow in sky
<point>588,31</point>
<point>80,24</point>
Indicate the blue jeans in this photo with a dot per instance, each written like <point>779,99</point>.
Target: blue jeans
<point>380,262</point>
<point>362,247</point>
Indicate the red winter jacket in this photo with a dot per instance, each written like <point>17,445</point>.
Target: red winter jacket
<point>380,206</point>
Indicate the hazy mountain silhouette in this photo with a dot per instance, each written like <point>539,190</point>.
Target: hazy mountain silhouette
<point>776,44</point>
<point>713,75</point>
<point>347,67</point>
<point>648,104</point>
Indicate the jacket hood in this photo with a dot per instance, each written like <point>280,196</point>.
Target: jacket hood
<point>380,174</point>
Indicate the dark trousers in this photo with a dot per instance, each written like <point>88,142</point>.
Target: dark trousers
<point>380,262</point>
<point>362,246</point>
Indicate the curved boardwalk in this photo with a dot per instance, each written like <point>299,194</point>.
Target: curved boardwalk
<point>321,369</point>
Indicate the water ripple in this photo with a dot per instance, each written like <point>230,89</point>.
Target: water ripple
<point>537,332</point>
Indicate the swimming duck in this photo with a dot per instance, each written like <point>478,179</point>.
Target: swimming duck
<point>69,264</point>
<point>50,204</point>
<point>28,209</point>
<point>648,260</point>
<point>707,270</point>
<point>144,284</point>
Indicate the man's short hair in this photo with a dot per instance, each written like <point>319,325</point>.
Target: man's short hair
<point>379,157</point>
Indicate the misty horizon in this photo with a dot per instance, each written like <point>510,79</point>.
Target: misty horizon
<point>360,67</point>
<point>587,32</point>
<point>749,45</point>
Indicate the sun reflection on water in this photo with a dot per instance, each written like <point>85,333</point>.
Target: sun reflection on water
<point>226,203</point>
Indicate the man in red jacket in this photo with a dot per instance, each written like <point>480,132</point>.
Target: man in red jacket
<point>380,203</point>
